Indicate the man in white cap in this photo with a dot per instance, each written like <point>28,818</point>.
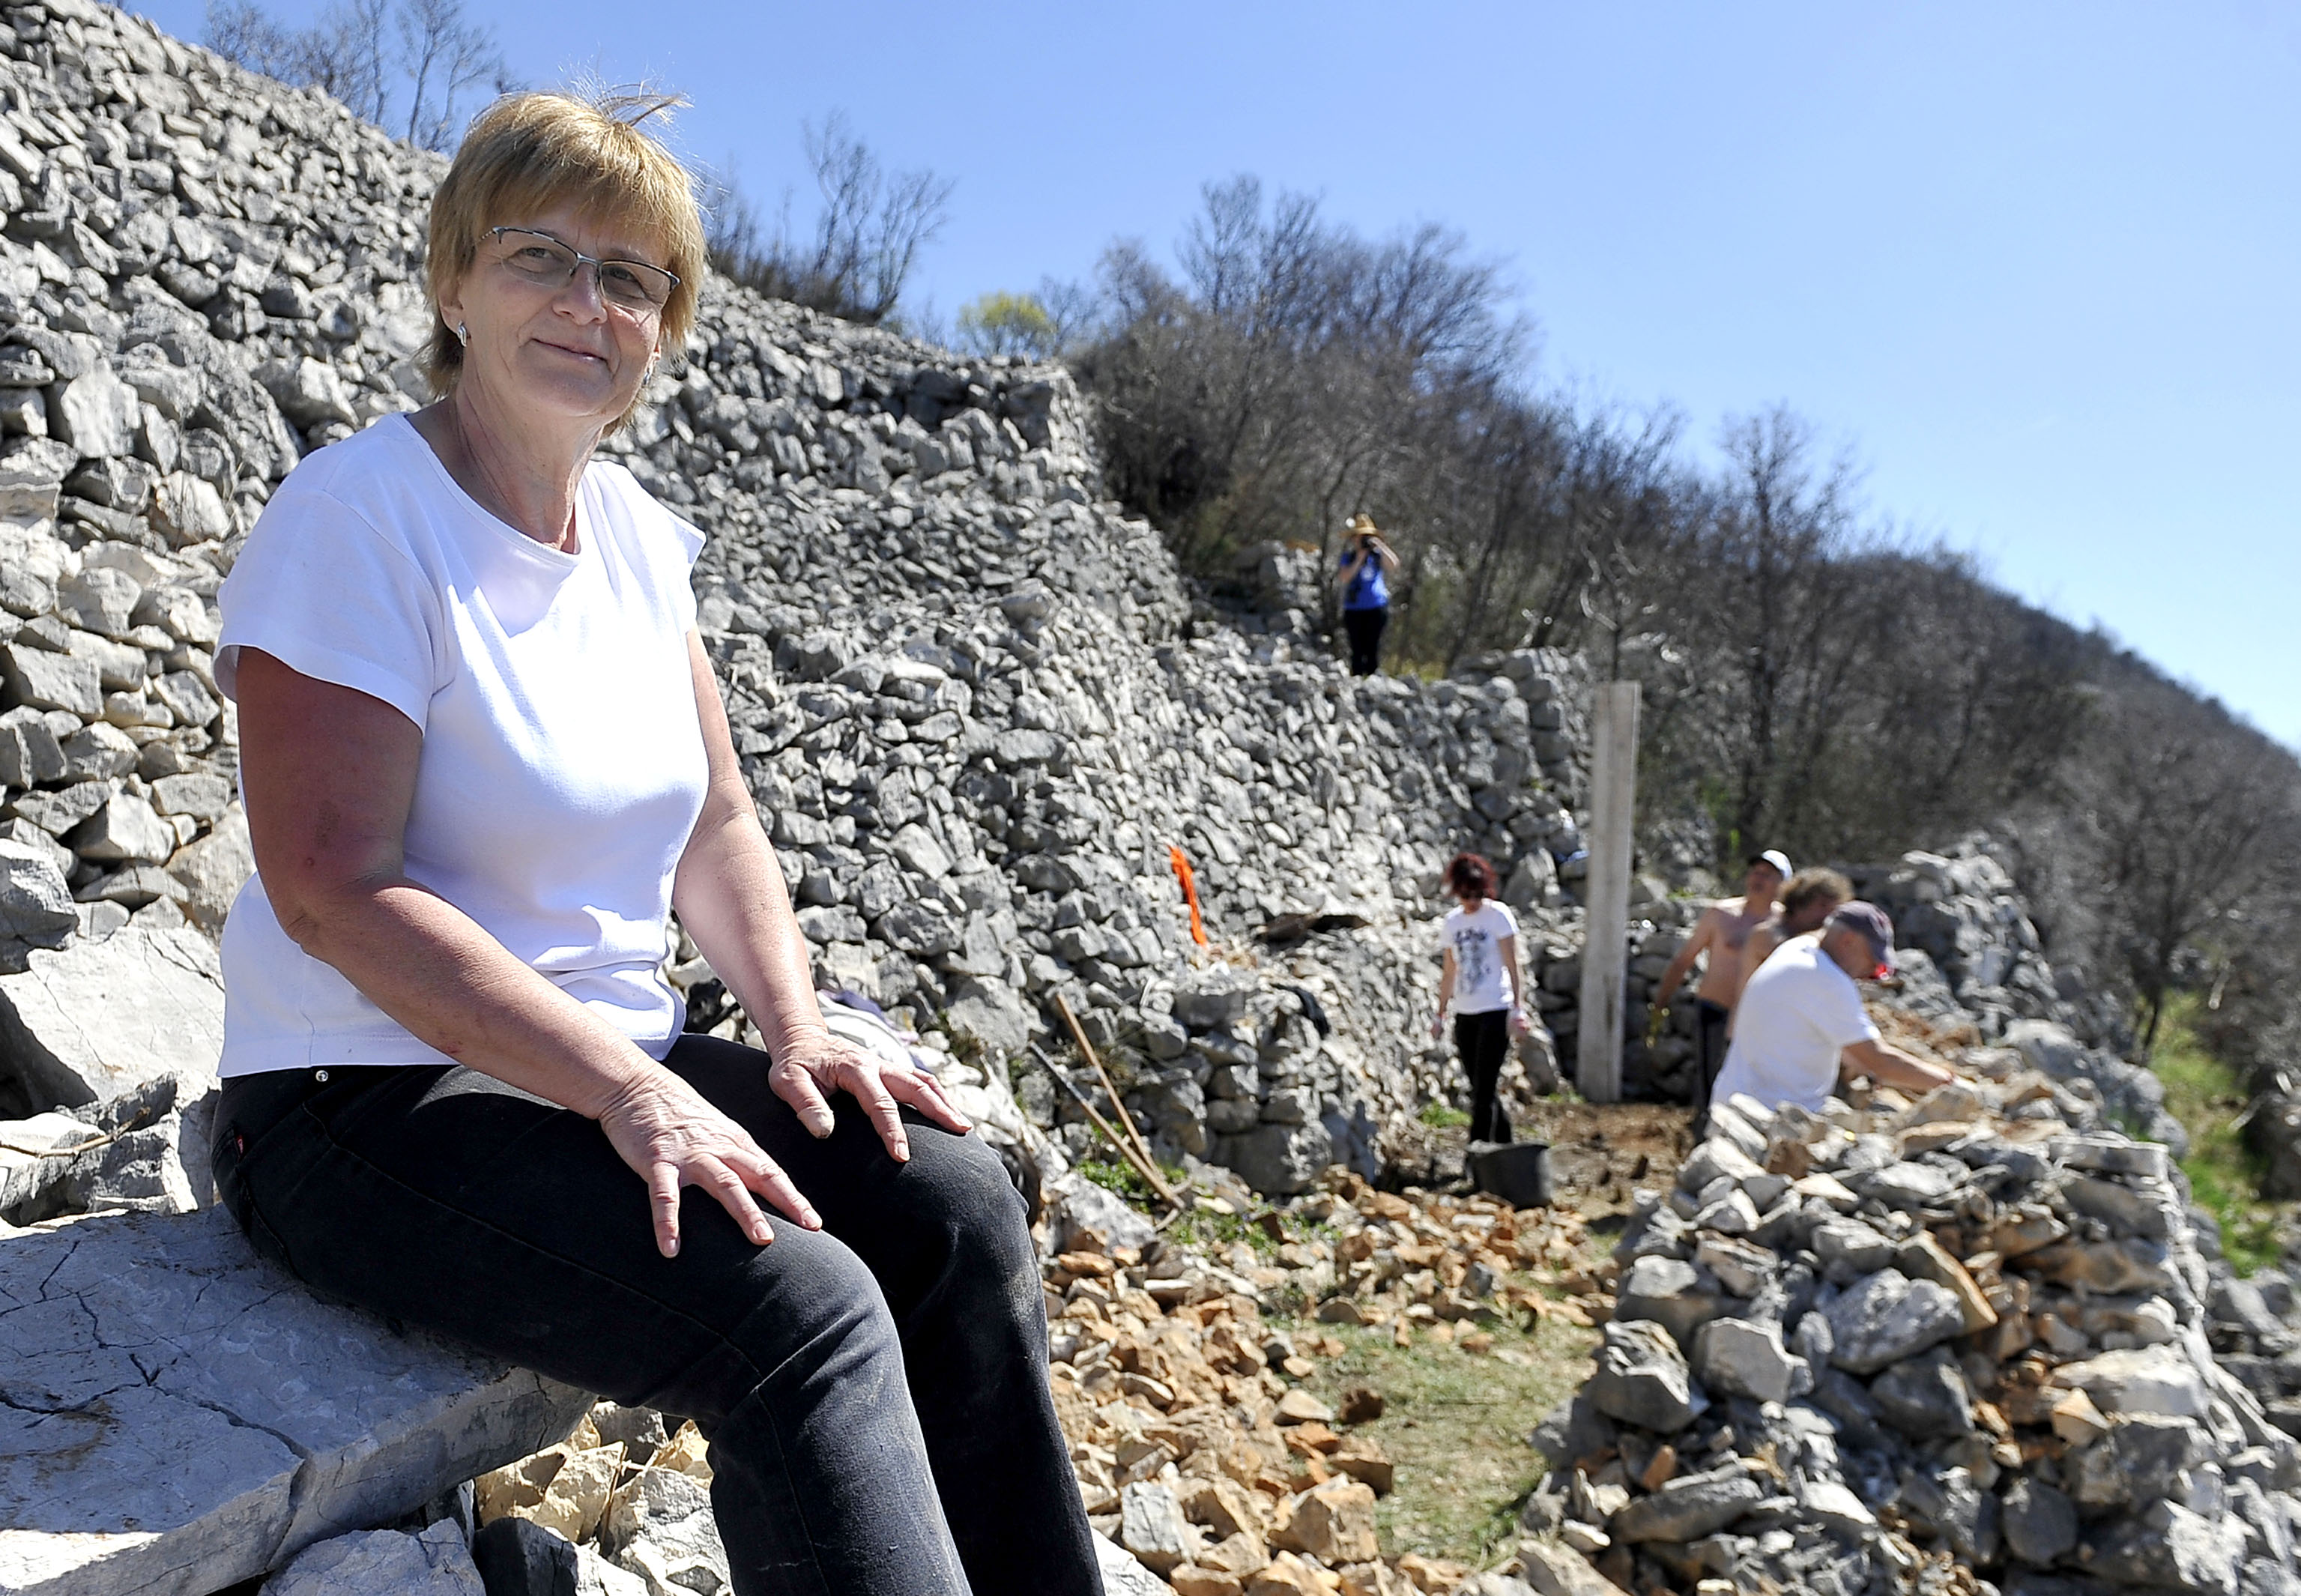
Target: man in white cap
<point>1800,1027</point>
<point>1720,933</point>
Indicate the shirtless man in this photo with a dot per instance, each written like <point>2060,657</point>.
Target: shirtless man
<point>1811,896</point>
<point>1721,932</point>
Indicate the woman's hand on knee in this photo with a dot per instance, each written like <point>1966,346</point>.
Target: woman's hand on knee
<point>675,1137</point>
<point>810,1071</point>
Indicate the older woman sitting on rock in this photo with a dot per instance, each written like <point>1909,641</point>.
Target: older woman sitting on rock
<point>483,754</point>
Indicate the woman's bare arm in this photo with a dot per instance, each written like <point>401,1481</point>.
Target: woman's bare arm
<point>732,898</point>
<point>330,774</point>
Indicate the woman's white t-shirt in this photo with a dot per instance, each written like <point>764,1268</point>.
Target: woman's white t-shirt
<point>1475,936</point>
<point>563,766</point>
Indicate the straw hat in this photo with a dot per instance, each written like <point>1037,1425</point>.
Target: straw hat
<point>1363,524</point>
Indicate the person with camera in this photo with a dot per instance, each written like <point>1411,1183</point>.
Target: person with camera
<point>1364,577</point>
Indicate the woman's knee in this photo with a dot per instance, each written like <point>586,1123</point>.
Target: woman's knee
<point>819,1311</point>
<point>971,1198</point>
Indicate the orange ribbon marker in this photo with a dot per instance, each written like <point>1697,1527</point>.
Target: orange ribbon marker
<point>1189,892</point>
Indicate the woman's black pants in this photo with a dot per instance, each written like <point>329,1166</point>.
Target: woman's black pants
<point>1482,1040</point>
<point>875,1392</point>
<point>1364,630</point>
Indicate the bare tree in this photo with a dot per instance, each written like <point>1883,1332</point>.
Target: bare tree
<point>344,55</point>
<point>2196,815</point>
<point>371,54</point>
<point>860,255</point>
<point>243,33</point>
<point>445,56</point>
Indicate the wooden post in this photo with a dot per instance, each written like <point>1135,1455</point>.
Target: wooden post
<point>1606,890</point>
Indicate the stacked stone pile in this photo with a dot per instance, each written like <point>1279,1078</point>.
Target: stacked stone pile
<point>1963,1342</point>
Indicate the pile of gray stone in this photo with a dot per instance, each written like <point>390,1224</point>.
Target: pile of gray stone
<point>1965,1341</point>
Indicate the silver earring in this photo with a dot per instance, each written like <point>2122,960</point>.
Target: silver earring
<point>463,333</point>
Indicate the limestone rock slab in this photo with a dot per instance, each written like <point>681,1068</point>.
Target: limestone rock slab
<point>2155,1380</point>
<point>214,869</point>
<point>177,1415</point>
<point>660,1528</point>
<point>35,904</point>
<point>1688,1508</point>
<point>1123,1576</point>
<point>433,1563</point>
<point>1642,1378</point>
<point>96,1020</point>
<point>1555,1571</point>
<point>1745,1358</point>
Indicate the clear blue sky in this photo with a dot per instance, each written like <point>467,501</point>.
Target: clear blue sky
<point>2037,265</point>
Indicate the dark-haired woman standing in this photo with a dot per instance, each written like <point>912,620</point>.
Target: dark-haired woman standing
<point>1480,983</point>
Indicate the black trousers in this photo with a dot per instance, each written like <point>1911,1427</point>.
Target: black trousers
<point>1482,1040</point>
<point>875,1392</point>
<point>1709,1049</point>
<point>1364,630</point>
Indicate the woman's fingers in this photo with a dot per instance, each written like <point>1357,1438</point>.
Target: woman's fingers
<point>868,1084</point>
<point>764,1176</point>
<point>795,1084</point>
<point>924,1093</point>
<point>663,1196</point>
<point>715,1176</point>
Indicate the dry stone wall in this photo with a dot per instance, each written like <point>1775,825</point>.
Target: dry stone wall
<point>1969,1343</point>
<point>974,699</point>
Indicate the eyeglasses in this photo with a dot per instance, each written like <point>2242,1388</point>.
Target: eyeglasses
<point>546,261</point>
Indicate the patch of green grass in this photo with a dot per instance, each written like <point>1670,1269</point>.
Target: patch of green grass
<point>2225,1175</point>
<point>1442,1117</point>
<point>1456,1423</point>
<point>1107,1170</point>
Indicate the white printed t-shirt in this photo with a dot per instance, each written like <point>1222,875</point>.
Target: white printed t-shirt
<point>1480,987</point>
<point>563,766</point>
<point>1797,1013</point>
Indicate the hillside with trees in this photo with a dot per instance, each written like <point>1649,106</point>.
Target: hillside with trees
<point>1816,679</point>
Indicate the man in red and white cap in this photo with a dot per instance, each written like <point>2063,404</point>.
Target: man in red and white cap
<point>1799,1026</point>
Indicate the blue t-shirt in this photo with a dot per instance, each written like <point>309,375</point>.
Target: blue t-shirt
<point>1369,589</point>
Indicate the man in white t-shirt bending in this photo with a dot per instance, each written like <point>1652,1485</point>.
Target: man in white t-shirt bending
<point>1800,1025</point>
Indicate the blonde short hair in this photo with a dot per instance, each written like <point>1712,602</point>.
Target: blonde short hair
<point>529,153</point>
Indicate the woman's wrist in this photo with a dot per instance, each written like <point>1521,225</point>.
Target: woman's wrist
<point>797,1035</point>
<point>617,1087</point>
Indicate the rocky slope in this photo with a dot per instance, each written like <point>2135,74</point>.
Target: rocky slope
<point>970,694</point>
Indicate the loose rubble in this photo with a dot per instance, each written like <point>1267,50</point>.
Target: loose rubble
<point>1203,1463</point>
